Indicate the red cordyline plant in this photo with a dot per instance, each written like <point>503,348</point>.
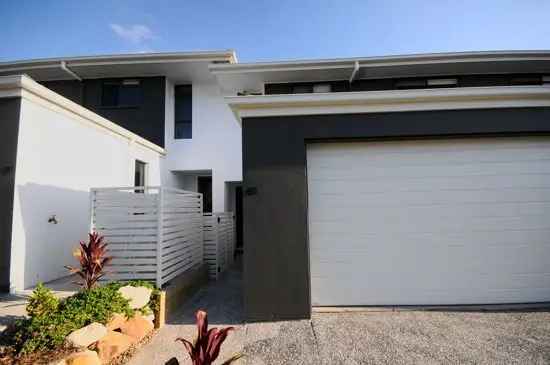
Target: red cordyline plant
<point>92,258</point>
<point>206,348</point>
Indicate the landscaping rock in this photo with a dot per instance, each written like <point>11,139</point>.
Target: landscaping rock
<point>137,327</point>
<point>85,336</point>
<point>112,345</point>
<point>147,313</point>
<point>83,358</point>
<point>138,296</point>
<point>150,317</point>
<point>116,321</point>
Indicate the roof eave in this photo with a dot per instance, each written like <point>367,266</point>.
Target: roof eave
<point>228,56</point>
<point>388,101</point>
<point>455,57</point>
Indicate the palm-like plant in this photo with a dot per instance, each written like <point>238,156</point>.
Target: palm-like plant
<point>206,348</point>
<point>92,258</point>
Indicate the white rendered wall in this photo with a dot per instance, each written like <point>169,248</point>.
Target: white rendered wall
<point>216,144</point>
<point>61,155</point>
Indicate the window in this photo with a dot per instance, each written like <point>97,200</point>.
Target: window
<point>410,84</point>
<point>302,89</point>
<point>183,112</point>
<point>322,88</point>
<point>451,82</point>
<point>139,175</point>
<point>121,93</point>
<point>527,80</point>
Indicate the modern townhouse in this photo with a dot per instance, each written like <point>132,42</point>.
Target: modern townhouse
<point>402,180</point>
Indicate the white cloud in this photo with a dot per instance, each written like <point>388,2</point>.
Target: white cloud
<point>137,33</point>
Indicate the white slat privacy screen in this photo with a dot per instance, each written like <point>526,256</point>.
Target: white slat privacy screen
<point>154,233</point>
<point>219,242</point>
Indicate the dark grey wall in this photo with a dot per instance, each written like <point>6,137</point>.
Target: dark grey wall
<point>71,89</point>
<point>276,258</point>
<point>9,119</point>
<point>392,83</point>
<point>146,120</point>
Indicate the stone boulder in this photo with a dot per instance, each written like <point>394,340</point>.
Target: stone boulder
<point>116,321</point>
<point>137,327</point>
<point>83,358</point>
<point>112,345</point>
<point>85,336</point>
<point>138,296</point>
<point>147,313</point>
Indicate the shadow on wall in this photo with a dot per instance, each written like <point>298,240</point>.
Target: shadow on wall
<point>49,245</point>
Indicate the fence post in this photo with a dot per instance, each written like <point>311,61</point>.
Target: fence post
<point>201,258</point>
<point>92,209</point>
<point>159,236</point>
<point>215,225</point>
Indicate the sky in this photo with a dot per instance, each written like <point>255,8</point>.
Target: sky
<point>274,30</point>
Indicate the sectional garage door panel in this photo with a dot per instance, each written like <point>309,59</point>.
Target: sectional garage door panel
<point>458,221</point>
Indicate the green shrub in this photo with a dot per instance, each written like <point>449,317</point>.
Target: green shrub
<point>51,320</point>
<point>41,302</point>
<point>49,324</point>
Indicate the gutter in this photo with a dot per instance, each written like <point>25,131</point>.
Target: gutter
<point>398,60</point>
<point>124,59</point>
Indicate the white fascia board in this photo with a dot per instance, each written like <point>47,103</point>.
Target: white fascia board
<point>206,56</point>
<point>429,58</point>
<point>389,101</point>
<point>25,87</point>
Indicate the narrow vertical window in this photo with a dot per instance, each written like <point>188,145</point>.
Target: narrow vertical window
<point>183,112</point>
<point>139,175</point>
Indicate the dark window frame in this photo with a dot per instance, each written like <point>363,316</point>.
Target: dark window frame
<point>183,119</point>
<point>121,86</point>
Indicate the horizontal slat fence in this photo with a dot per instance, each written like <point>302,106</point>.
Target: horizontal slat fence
<point>154,233</point>
<point>219,242</point>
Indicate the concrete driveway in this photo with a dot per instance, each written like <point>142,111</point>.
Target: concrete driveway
<point>406,337</point>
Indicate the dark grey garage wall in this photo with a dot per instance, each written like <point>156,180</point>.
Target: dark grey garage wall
<point>276,257</point>
<point>9,119</point>
<point>146,120</point>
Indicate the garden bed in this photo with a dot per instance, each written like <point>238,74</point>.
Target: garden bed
<point>101,325</point>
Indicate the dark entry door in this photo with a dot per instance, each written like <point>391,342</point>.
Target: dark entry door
<point>205,188</point>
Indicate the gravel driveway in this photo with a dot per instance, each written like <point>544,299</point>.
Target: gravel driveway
<point>407,337</point>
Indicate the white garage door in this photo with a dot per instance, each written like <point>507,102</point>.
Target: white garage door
<point>456,221</point>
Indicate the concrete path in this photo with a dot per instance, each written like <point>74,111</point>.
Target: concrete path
<point>418,337</point>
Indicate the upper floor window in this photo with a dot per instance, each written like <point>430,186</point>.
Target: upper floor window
<point>121,93</point>
<point>183,112</point>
